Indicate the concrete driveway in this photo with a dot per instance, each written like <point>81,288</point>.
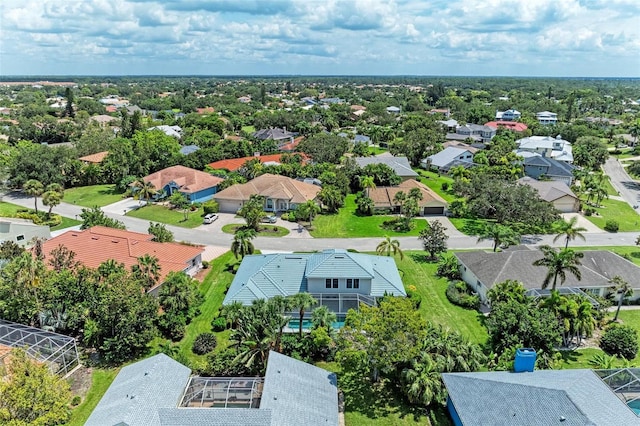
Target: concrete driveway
<point>583,222</point>
<point>123,206</point>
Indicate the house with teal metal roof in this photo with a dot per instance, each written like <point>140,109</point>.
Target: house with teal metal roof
<point>337,278</point>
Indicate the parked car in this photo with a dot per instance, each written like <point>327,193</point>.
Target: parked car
<point>270,219</point>
<point>210,218</point>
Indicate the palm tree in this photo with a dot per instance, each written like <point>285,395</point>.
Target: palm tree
<point>569,230</point>
<point>388,246</point>
<point>367,183</point>
<point>51,199</point>
<point>147,270</point>
<point>242,245</point>
<point>623,289</point>
<point>308,210</point>
<point>302,301</point>
<point>34,188</point>
<point>232,313</point>
<point>422,380</point>
<point>109,267</point>
<point>176,294</point>
<point>558,263</point>
<point>323,317</point>
<point>500,234</point>
<point>146,190</point>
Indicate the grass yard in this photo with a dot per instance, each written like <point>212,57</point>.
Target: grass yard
<point>8,209</point>
<point>248,129</point>
<point>100,381</point>
<point>66,223</point>
<point>163,214</point>
<point>435,181</point>
<point>435,306</point>
<point>376,150</point>
<point>90,196</point>
<point>469,226</point>
<point>265,230</point>
<point>212,288</point>
<point>345,224</point>
<point>610,189</point>
<point>620,211</point>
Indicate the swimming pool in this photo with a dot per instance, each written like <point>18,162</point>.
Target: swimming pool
<point>307,324</point>
<point>635,406</point>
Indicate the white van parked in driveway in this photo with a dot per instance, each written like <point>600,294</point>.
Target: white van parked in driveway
<point>210,218</point>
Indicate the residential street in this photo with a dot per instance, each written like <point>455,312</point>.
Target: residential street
<point>212,235</point>
<point>628,188</point>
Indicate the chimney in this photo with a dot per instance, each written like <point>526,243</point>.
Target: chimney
<point>256,154</point>
<point>525,360</point>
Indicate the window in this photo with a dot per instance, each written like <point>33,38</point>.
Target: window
<point>349,283</point>
<point>335,283</point>
<point>356,283</point>
<point>327,283</point>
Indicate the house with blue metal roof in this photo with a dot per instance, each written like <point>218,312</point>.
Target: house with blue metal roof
<point>159,391</point>
<point>338,279</point>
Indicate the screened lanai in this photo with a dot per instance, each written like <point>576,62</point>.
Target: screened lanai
<point>59,352</point>
<point>625,383</point>
<point>223,392</point>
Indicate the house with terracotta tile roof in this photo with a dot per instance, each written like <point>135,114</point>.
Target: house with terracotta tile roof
<point>510,125</point>
<point>197,186</point>
<point>96,158</point>
<point>431,203</point>
<point>280,192</point>
<point>98,244</point>
<point>234,164</point>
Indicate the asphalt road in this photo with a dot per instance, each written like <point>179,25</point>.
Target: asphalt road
<point>212,235</point>
<point>628,188</point>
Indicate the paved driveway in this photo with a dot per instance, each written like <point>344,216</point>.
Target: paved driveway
<point>628,188</point>
<point>123,206</point>
<point>583,222</point>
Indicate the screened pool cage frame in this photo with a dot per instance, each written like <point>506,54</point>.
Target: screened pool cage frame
<point>537,293</point>
<point>624,382</point>
<point>223,392</point>
<point>58,351</point>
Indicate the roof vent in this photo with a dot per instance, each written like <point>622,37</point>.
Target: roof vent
<point>95,238</point>
<point>563,418</point>
<point>275,398</point>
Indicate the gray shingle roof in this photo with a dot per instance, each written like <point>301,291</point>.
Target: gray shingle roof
<point>138,390</point>
<point>554,167</point>
<point>447,156</point>
<point>549,190</point>
<point>400,165</point>
<point>284,274</point>
<point>539,398</point>
<point>214,417</point>
<point>298,393</point>
<point>598,267</point>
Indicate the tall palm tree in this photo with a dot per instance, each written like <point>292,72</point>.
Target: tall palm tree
<point>367,183</point>
<point>232,313</point>
<point>569,230</point>
<point>34,188</point>
<point>302,301</point>
<point>147,270</point>
<point>242,245</point>
<point>558,263</point>
<point>388,246</point>
<point>323,317</point>
<point>623,289</point>
<point>499,234</point>
<point>51,199</point>
<point>309,209</point>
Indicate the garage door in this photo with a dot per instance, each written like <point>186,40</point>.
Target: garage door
<point>433,211</point>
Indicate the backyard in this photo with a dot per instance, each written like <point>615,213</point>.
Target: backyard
<point>163,214</point>
<point>346,224</point>
<point>90,196</point>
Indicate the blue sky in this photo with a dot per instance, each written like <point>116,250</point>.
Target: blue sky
<point>572,38</point>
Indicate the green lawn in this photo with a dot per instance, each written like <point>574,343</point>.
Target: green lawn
<point>163,214</point>
<point>610,189</point>
<point>265,229</point>
<point>66,223</point>
<point>435,306</point>
<point>212,288</point>
<point>376,150</point>
<point>345,224</point>
<point>100,381</point>
<point>90,196</point>
<point>8,209</point>
<point>248,129</point>
<point>620,211</point>
<point>469,226</point>
<point>435,181</point>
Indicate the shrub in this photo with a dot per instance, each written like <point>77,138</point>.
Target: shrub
<point>205,264</point>
<point>458,208</point>
<point>172,326</point>
<point>458,293</point>
<point>445,186</point>
<point>219,324</point>
<point>211,207</point>
<point>204,343</point>
<point>415,297</point>
<point>588,212</point>
<point>76,400</point>
<point>620,340</point>
<point>611,226</point>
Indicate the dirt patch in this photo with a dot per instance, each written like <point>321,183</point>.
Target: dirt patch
<point>80,381</point>
<point>202,273</point>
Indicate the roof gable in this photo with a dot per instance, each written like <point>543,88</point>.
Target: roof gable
<point>400,165</point>
<point>189,180</point>
<point>273,186</point>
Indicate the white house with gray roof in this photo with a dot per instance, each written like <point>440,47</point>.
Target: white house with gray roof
<point>338,279</point>
<point>541,397</point>
<point>400,165</point>
<point>556,148</point>
<point>159,391</point>
<point>447,158</point>
<point>482,270</point>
